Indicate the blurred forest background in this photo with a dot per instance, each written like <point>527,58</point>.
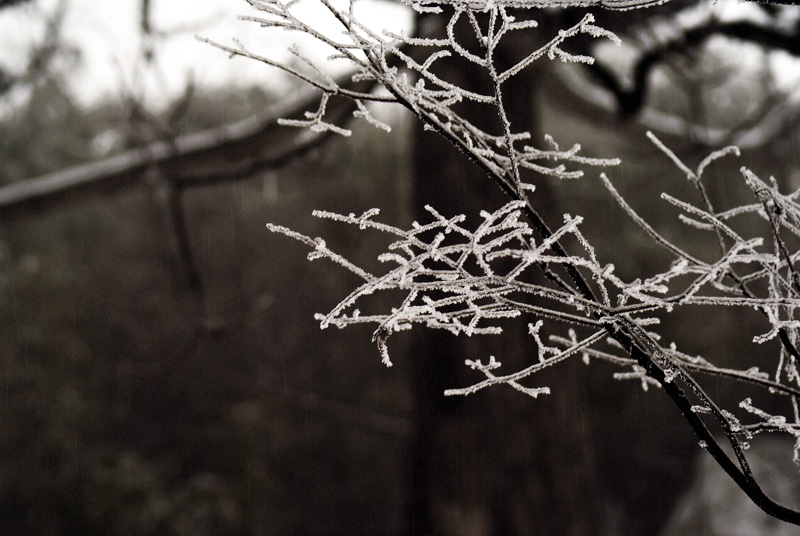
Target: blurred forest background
<point>166,376</point>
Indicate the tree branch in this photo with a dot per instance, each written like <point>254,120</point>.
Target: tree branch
<point>630,101</point>
<point>230,152</point>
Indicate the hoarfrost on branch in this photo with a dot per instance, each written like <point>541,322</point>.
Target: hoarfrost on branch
<point>512,267</point>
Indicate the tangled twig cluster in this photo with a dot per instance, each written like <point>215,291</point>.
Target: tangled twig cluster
<point>512,266</point>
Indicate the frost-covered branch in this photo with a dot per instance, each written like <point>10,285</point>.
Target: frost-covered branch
<point>384,58</point>
<point>512,267</point>
<point>470,282</point>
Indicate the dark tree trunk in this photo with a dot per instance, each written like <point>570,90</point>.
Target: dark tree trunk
<point>497,462</point>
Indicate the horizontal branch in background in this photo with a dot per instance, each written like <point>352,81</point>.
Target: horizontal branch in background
<point>230,152</point>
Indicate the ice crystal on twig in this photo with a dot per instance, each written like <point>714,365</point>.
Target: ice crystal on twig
<point>469,281</point>
<point>383,58</point>
<point>511,267</point>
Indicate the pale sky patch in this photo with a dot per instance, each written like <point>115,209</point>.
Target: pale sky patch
<point>108,36</point>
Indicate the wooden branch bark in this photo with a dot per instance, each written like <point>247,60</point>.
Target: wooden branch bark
<point>230,152</point>
<point>631,100</point>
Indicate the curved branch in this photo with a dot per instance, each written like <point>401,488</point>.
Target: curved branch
<point>631,100</point>
<point>230,152</point>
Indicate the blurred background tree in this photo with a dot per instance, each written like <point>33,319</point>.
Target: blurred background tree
<point>140,401</point>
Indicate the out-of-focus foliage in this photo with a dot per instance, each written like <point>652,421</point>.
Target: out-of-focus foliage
<point>50,132</point>
<point>126,410</point>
